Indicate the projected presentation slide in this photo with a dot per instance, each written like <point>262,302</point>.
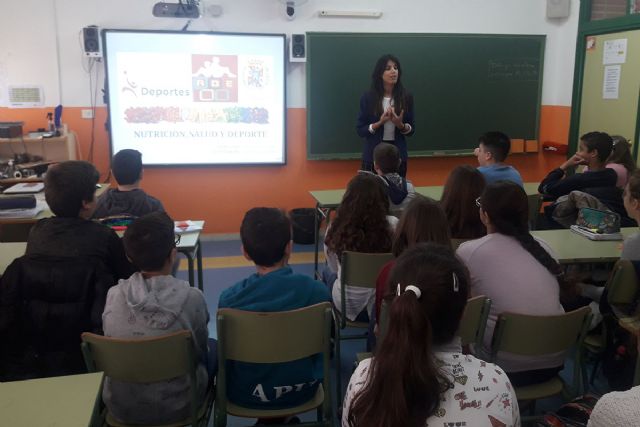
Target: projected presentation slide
<point>197,98</point>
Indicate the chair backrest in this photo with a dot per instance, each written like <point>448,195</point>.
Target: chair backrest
<point>361,269</point>
<point>534,202</point>
<point>455,243</point>
<point>622,287</point>
<point>474,320</point>
<point>144,360</point>
<point>275,337</point>
<point>537,335</point>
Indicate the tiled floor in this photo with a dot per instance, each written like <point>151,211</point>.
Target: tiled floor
<point>224,266</point>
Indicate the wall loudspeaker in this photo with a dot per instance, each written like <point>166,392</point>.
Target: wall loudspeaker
<point>558,8</point>
<point>91,41</point>
<point>297,48</point>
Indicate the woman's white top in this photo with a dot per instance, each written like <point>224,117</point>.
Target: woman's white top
<point>618,408</point>
<point>482,395</point>
<point>389,131</point>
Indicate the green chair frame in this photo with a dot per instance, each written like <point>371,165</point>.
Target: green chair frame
<point>622,293</point>
<point>276,337</point>
<point>137,361</point>
<point>474,320</point>
<point>358,269</point>
<point>539,335</point>
<point>535,203</point>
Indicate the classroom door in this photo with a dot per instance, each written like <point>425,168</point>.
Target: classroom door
<point>603,107</point>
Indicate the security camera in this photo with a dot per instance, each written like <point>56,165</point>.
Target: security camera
<point>290,10</point>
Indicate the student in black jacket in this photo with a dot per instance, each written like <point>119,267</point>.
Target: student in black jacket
<point>593,151</point>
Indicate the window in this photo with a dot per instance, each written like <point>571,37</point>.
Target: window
<point>606,9</point>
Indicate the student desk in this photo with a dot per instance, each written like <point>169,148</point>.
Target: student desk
<point>9,252</point>
<point>329,200</point>
<point>68,401</point>
<point>572,248</point>
<point>190,247</point>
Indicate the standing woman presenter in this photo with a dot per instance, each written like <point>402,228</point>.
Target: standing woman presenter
<point>386,112</point>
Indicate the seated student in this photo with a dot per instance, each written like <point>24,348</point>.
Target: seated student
<point>362,224</point>
<point>463,187</point>
<point>419,376</point>
<point>517,272</point>
<point>593,151</point>
<point>128,198</point>
<point>620,160</point>
<point>43,314</point>
<point>386,163</point>
<point>493,149</point>
<point>266,240</point>
<point>422,221</point>
<point>151,303</point>
<point>631,245</point>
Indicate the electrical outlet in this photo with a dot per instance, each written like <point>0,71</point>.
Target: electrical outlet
<point>87,114</point>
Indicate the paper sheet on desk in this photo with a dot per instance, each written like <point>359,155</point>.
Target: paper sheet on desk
<point>186,226</point>
<point>23,213</point>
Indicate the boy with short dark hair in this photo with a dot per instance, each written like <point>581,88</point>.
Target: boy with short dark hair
<point>593,151</point>
<point>266,240</point>
<point>128,198</point>
<point>69,190</point>
<point>151,303</point>
<point>386,163</point>
<point>493,149</point>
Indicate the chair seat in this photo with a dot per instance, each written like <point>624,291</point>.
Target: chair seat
<point>187,421</point>
<point>542,390</point>
<point>241,411</point>
<point>362,325</point>
<point>362,356</point>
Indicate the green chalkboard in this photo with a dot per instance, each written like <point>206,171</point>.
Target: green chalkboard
<point>463,85</point>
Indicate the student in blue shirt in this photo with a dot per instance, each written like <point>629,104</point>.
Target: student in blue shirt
<point>493,149</point>
<point>266,241</point>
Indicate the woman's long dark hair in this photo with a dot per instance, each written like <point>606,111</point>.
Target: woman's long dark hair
<point>399,95</point>
<point>361,220</point>
<point>464,185</point>
<point>423,220</point>
<point>506,204</point>
<point>621,153</point>
<point>404,386</point>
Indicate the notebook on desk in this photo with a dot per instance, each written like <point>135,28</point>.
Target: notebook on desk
<point>25,187</point>
<point>594,235</point>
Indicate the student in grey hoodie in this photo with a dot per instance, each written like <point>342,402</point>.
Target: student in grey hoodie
<point>151,303</point>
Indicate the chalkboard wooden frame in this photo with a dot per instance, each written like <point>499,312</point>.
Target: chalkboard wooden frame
<point>463,85</point>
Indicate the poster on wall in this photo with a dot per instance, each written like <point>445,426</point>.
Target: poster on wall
<point>611,81</point>
<point>614,52</point>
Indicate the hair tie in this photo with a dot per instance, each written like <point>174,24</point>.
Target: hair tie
<point>414,289</point>
<point>456,284</point>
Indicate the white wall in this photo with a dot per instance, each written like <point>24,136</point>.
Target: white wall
<point>39,39</point>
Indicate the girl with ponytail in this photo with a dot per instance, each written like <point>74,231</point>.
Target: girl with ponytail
<point>419,375</point>
<point>518,273</point>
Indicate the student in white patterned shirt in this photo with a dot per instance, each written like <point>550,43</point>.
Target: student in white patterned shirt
<point>419,376</point>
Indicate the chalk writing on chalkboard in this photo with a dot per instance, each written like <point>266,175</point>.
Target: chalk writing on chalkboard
<point>515,69</point>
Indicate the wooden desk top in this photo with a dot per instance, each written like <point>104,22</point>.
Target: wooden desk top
<point>10,251</point>
<point>570,247</point>
<point>332,198</point>
<point>58,401</point>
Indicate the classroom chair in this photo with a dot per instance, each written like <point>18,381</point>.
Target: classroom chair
<point>455,243</point>
<point>361,270</point>
<point>470,331</point>
<point>621,292</point>
<point>474,320</point>
<point>530,335</point>
<point>535,203</point>
<point>137,361</point>
<point>276,337</point>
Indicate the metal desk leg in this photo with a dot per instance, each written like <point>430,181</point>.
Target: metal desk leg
<point>190,261</point>
<point>199,261</point>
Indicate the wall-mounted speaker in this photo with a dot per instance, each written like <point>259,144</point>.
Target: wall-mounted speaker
<point>558,8</point>
<point>297,48</point>
<point>91,41</point>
